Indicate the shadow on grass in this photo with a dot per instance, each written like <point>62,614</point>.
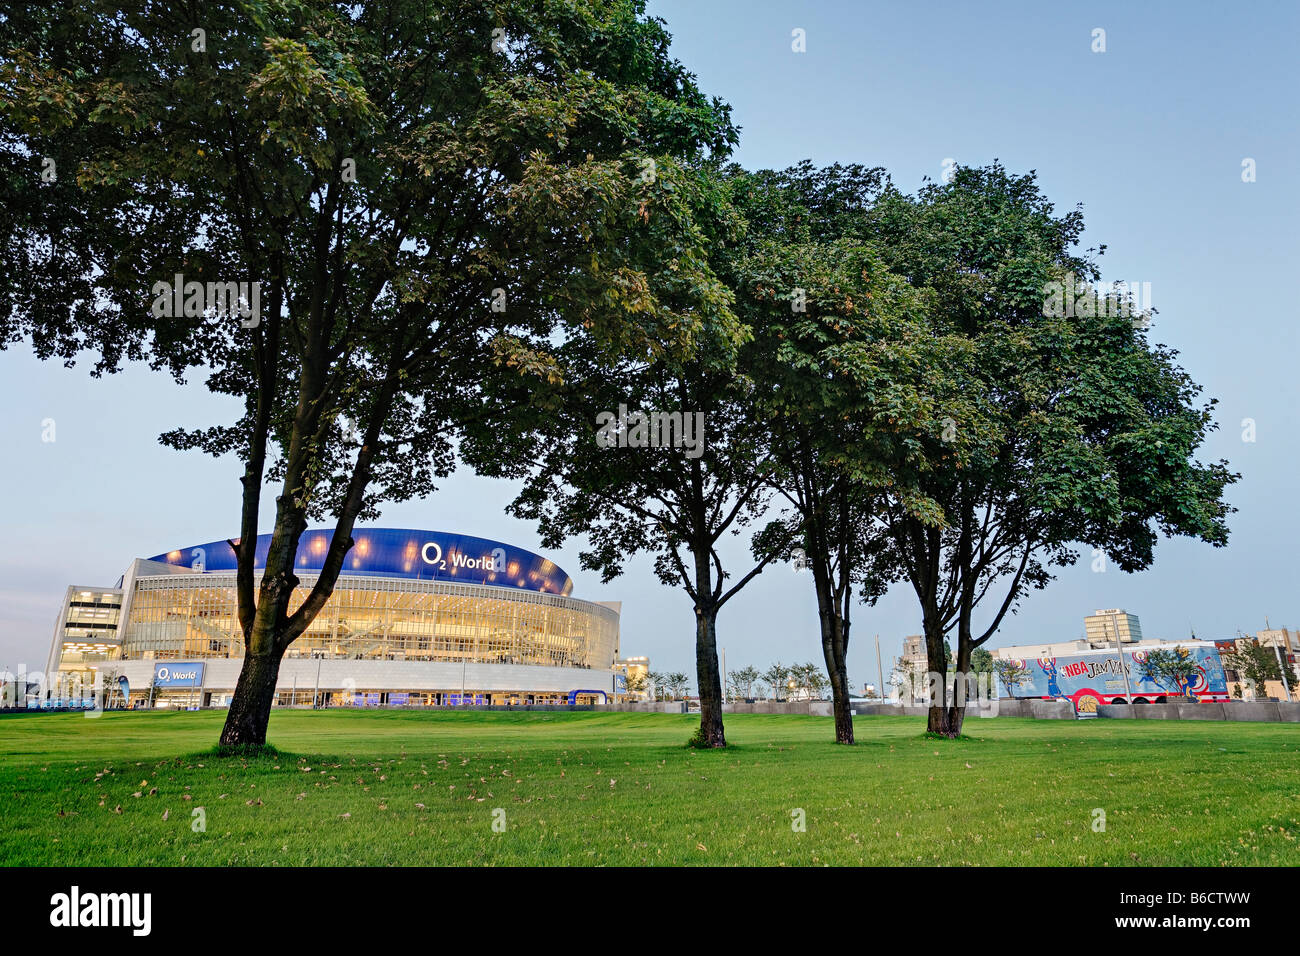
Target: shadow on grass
<point>242,752</point>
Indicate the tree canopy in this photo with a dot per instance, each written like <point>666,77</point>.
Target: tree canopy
<point>1080,429</point>
<point>417,193</point>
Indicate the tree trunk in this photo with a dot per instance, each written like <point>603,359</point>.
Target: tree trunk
<point>250,707</point>
<point>840,695</point>
<point>957,709</point>
<point>265,642</point>
<point>835,651</point>
<point>708,677</point>
<point>938,714</point>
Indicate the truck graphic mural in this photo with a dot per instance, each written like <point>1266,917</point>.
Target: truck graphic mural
<point>1090,678</point>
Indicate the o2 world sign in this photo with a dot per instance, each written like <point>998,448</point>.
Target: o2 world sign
<point>178,674</point>
<point>432,554</point>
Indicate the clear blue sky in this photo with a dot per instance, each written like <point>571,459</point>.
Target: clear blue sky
<point>1149,136</point>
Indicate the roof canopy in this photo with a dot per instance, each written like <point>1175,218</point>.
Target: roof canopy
<point>400,552</point>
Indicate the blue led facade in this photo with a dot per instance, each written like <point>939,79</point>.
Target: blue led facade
<point>400,552</point>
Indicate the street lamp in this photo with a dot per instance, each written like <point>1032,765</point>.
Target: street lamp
<point>1128,690</point>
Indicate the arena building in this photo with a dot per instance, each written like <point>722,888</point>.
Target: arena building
<point>417,618</point>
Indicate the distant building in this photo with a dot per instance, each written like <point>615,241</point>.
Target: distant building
<point>1099,627</point>
<point>914,650</point>
<point>1284,641</point>
<point>909,675</point>
<point>1282,637</point>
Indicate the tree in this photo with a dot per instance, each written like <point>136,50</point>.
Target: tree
<point>775,677</point>
<point>663,455</point>
<point>1011,673</point>
<point>844,363</point>
<point>676,503</point>
<point>656,685</point>
<point>1075,428</point>
<point>638,683</point>
<point>807,682</point>
<point>1255,664</point>
<point>675,684</point>
<point>1171,669</point>
<point>108,684</point>
<point>367,209</point>
<point>740,683</point>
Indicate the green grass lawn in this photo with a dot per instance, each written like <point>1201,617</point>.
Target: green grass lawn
<point>399,788</point>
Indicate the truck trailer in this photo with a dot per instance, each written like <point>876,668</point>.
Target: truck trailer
<point>1090,678</point>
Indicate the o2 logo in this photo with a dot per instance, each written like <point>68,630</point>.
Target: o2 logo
<point>437,559</point>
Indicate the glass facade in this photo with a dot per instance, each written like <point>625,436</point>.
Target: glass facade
<point>89,626</point>
<point>373,618</point>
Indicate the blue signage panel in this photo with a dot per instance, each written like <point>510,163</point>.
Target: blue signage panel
<point>399,552</point>
<point>178,674</point>
<point>573,696</point>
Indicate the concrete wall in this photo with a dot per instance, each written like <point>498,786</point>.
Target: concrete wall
<point>1050,709</point>
<point>818,708</point>
<point>892,710</point>
<point>1040,709</point>
<point>645,707</point>
<point>1254,711</point>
